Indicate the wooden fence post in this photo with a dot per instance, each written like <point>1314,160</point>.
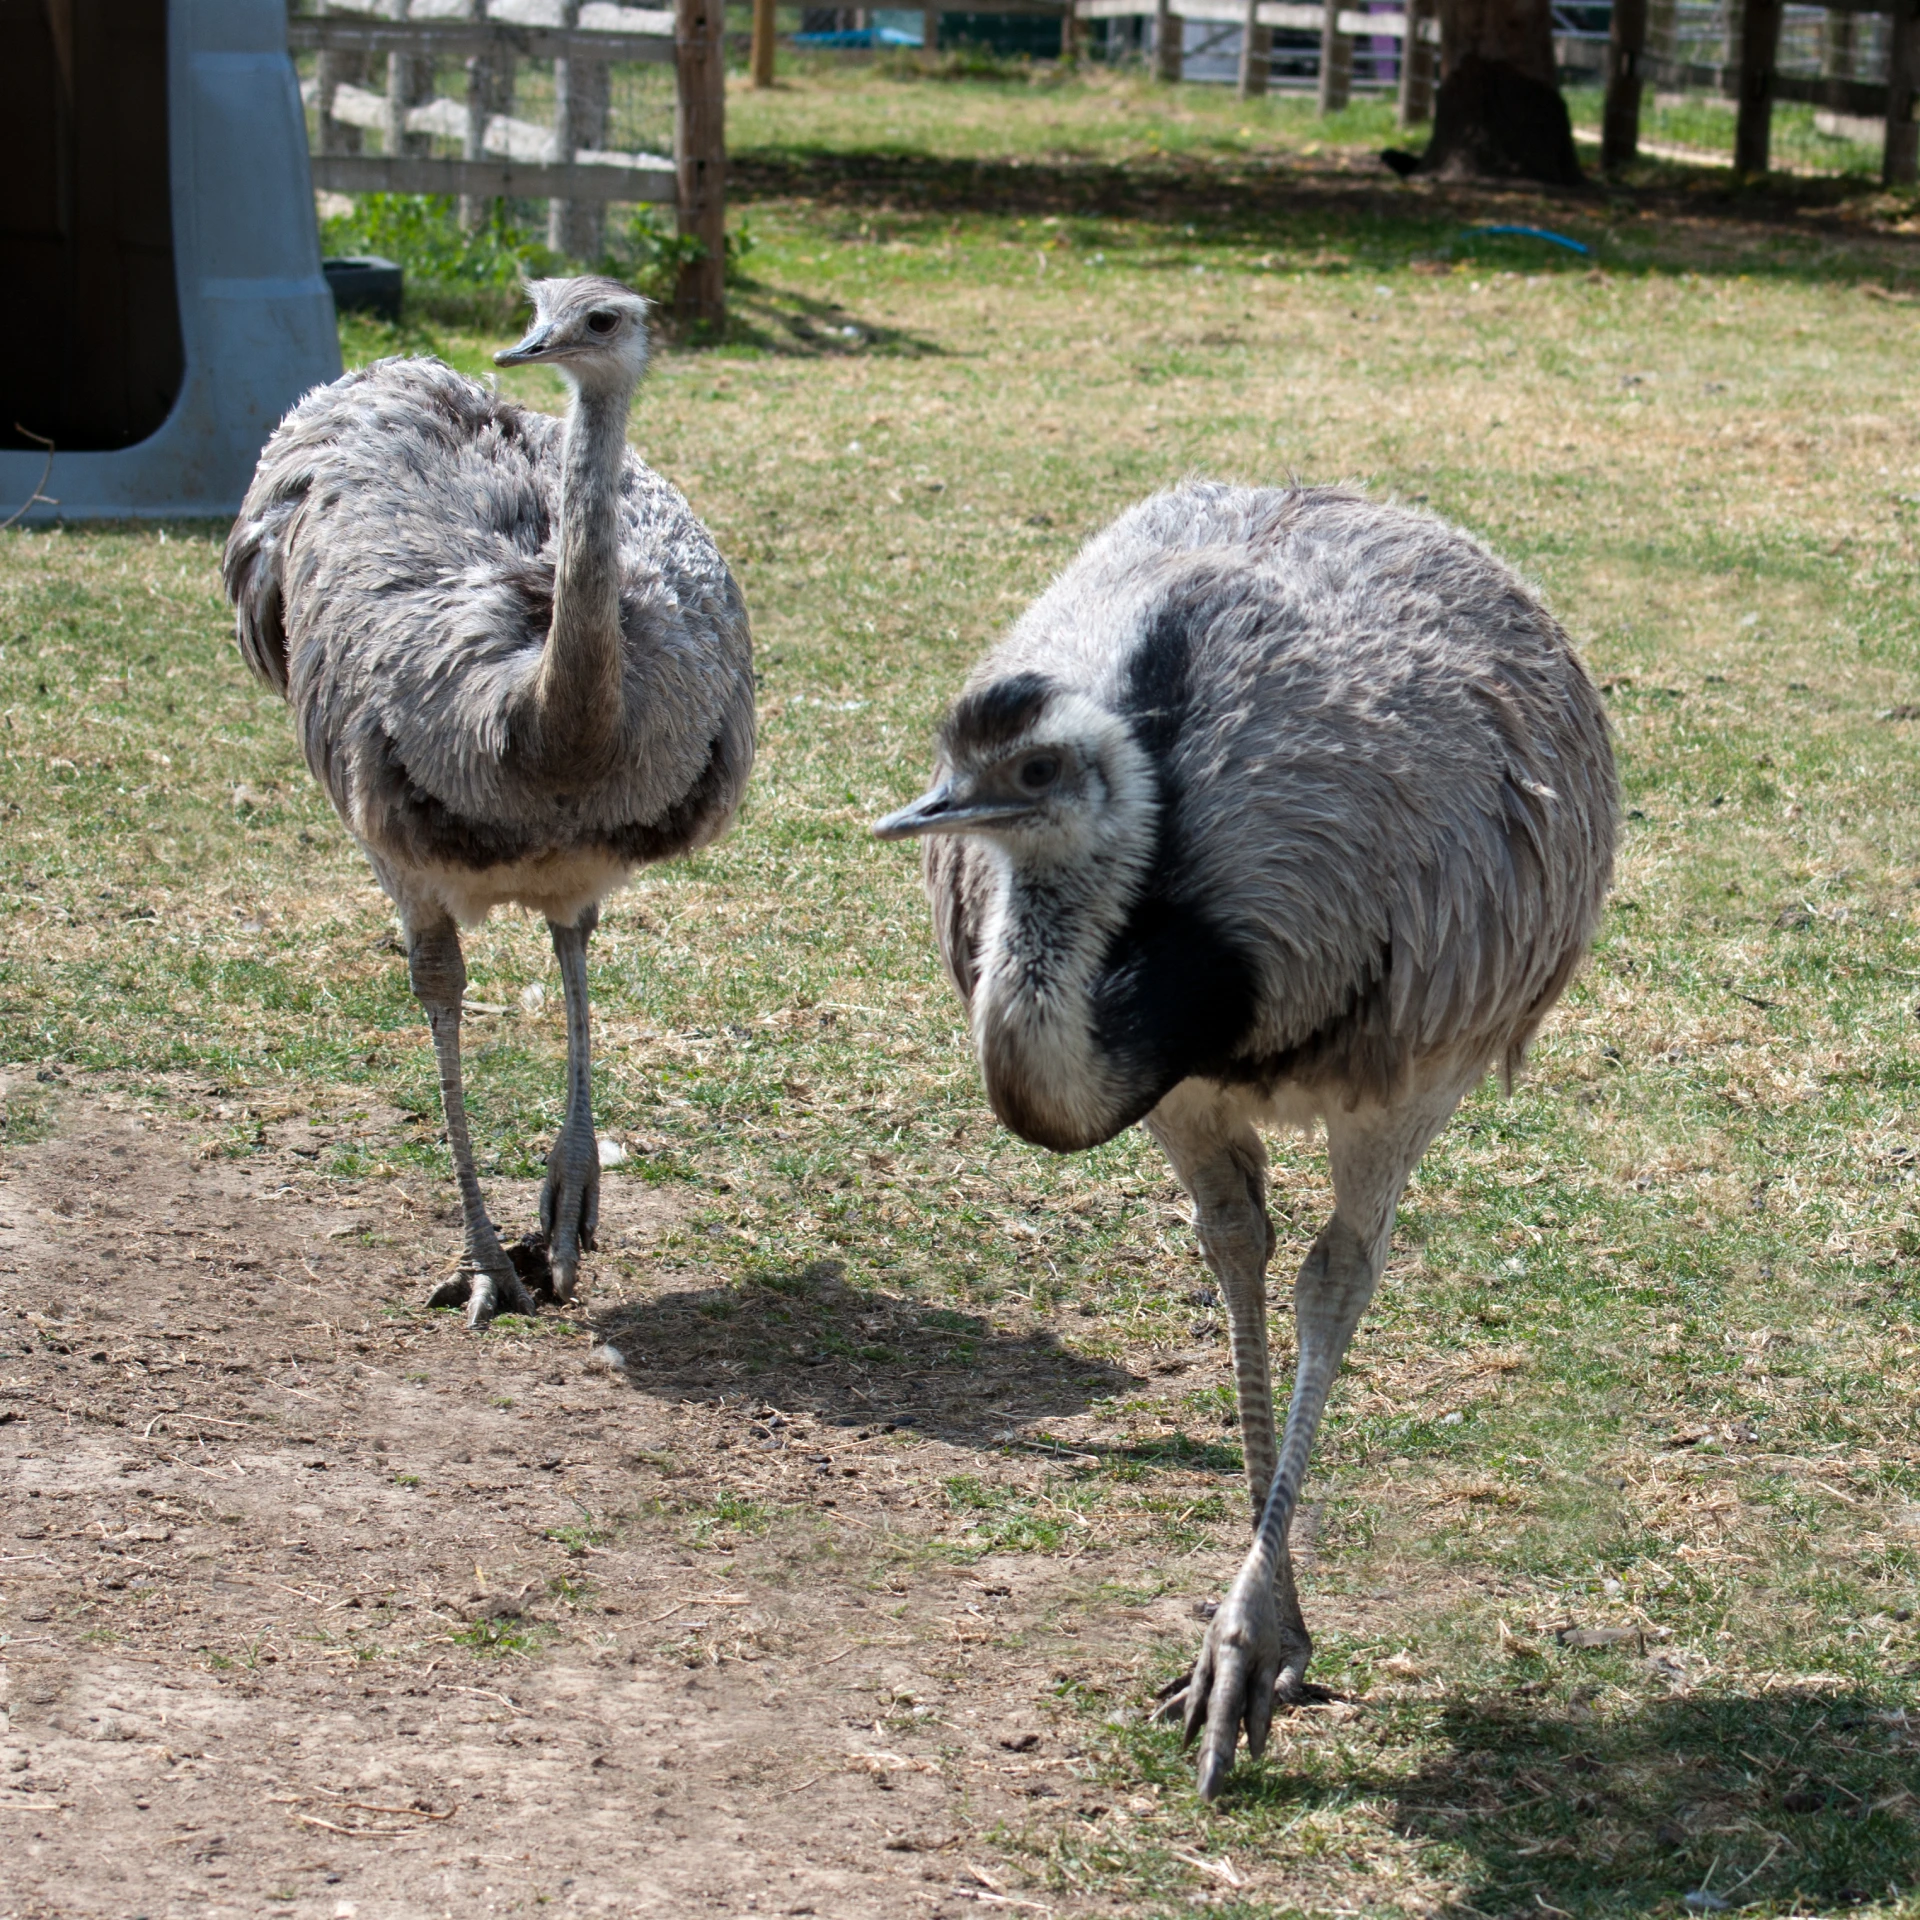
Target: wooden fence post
<point>1069,35</point>
<point>1253,78</point>
<point>929,33</point>
<point>1837,43</point>
<point>1620,118</point>
<point>1759,42</point>
<point>1169,42</point>
<point>1336,61</point>
<point>581,96</point>
<point>1416,67</point>
<point>409,84</point>
<point>700,156</point>
<point>1899,158</point>
<point>331,72</point>
<point>474,208</point>
<point>763,36</point>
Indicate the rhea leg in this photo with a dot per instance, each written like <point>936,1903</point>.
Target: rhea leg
<point>1222,1164</point>
<point>486,1283</point>
<point>570,1200</point>
<point>1256,1649</point>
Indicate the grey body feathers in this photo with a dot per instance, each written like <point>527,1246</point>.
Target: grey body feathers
<point>1383,808</point>
<point>393,571</point>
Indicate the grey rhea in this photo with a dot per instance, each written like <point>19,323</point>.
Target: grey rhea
<point>1278,807</point>
<point>518,666</point>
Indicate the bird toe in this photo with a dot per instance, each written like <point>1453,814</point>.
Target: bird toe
<point>454,1292</point>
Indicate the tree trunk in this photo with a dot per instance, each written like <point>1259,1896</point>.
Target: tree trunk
<point>1499,114</point>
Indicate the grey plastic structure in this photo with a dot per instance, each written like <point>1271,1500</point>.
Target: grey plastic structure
<point>256,318</point>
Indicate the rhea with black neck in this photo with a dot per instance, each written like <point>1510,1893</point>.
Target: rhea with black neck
<point>1279,807</point>
<point>1075,1038</point>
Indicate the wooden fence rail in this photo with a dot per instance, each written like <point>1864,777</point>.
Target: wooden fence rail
<point>455,39</point>
<point>1752,81</point>
<point>504,158</point>
<point>494,179</point>
<point>1338,27</point>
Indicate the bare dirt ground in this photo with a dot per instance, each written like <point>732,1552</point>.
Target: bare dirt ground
<point>320,1604</point>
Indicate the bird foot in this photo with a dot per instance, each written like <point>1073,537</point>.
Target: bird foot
<point>522,1284</point>
<point>569,1208</point>
<point>486,1289</point>
<point>1170,1708</point>
<point>1247,1667</point>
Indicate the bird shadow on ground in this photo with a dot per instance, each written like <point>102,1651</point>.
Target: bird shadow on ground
<point>1703,1802</point>
<point>806,1341</point>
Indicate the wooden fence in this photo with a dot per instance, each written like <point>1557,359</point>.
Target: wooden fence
<point>507,158</point>
<point>1750,79</point>
<point>1337,25</point>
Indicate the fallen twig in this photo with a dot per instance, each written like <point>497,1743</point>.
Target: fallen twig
<point>36,497</point>
<point>405,1813</point>
<point>481,1693</point>
<point>352,1833</point>
<point>1221,1869</point>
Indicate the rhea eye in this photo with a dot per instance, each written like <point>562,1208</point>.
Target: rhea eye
<point>602,322</point>
<point>1038,773</point>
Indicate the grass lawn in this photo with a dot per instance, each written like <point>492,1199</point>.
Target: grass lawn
<point>1646,1360</point>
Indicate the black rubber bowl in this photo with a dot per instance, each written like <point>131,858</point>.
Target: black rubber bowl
<point>364,283</point>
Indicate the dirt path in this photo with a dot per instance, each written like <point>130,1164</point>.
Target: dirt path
<point>317,1604</point>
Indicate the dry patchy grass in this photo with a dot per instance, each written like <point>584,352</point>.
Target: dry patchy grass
<point>1647,1356</point>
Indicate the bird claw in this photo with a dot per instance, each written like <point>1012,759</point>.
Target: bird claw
<point>1170,1708</point>
<point>569,1211</point>
<point>485,1290</point>
<point>453,1291</point>
<point>1246,1668</point>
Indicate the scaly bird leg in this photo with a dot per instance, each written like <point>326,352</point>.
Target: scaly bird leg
<point>486,1283</point>
<point>1222,1164</point>
<point>1256,1648</point>
<point>570,1200</point>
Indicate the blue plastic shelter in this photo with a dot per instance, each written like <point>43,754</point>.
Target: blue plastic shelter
<point>159,250</point>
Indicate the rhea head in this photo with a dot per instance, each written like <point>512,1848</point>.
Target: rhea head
<point>1044,770</point>
<point>591,331</point>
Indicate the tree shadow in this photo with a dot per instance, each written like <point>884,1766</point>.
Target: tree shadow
<point>1786,1800</point>
<point>1784,226</point>
<point>806,1341</point>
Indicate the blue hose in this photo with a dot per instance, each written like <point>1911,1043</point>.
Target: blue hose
<point>1536,233</point>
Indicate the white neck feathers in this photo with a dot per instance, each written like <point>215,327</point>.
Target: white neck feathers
<point>1059,901</point>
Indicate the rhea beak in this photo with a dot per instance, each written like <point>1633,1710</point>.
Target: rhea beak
<point>533,347</point>
<point>949,808</point>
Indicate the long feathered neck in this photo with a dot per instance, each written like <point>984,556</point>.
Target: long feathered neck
<point>578,695</point>
<point>1050,930</point>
